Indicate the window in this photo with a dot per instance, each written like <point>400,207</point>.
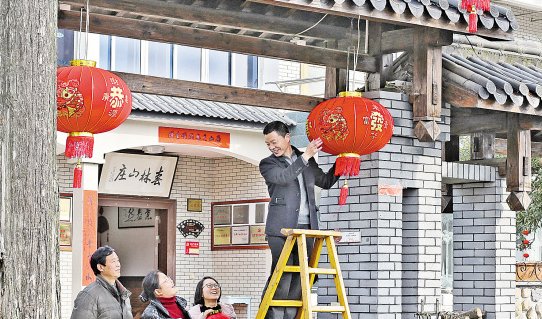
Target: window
<point>219,67</point>
<point>187,63</point>
<point>65,47</point>
<point>126,55</point>
<point>447,262</point>
<point>239,224</point>
<point>159,59</point>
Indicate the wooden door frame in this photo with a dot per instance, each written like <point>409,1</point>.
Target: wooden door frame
<point>152,202</point>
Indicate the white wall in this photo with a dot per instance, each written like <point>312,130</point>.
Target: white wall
<point>134,246</point>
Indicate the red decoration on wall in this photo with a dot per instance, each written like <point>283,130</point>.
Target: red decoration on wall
<point>525,232</point>
<point>526,242</point>
<point>472,6</point>
<point>526,255</point>
<point>89,101</point>
<point>350,126</point>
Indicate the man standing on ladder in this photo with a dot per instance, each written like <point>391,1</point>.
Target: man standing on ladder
<point>290,176</point>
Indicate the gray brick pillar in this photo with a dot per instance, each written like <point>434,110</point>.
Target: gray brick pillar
<point>484,249</point>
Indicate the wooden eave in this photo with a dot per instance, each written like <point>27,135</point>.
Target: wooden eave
<point>347,9</point>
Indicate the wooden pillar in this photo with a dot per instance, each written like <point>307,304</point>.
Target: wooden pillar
<point>384,62</point>
<point>518,164</point>
<point>427,86</point>
<point>482,146</point>
<point>335,82</point>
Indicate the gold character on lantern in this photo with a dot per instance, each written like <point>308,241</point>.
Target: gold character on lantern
<point>116,97</point>
<point>376,121</point>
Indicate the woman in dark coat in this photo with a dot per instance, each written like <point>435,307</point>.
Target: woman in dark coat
<point>164,304</point>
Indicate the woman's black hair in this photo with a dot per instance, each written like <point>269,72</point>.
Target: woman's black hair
<point>149,284</point>
<point>198,295</point>
<point>99,257</point>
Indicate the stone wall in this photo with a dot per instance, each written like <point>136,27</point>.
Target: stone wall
<point>529,302</point>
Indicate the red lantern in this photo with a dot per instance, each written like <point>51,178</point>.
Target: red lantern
<point>526,255</point>
<point>526,242</point>
<point>89,101</point>
<point>474,5</point>
<point>350,126</point>
<point>525,232</point>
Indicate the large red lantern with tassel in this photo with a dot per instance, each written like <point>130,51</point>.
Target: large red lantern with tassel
<point>89,101</point>
<point>472,6</point>
<point>350,126</point>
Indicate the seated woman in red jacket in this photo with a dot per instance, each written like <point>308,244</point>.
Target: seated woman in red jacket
<point>161,291</point>
<point>207,302</point>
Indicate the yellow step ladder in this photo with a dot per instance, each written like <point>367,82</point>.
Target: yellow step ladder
<point>307,272</point>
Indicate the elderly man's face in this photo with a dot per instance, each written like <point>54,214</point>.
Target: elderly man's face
<point>111,270</point>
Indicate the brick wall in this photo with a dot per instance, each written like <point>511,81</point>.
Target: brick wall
<point>65,179</point>
<point>530,24</point>
<point>484,248</point>
<point>289,70</point>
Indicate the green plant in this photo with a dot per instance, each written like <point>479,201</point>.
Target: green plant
<point>531,219</point>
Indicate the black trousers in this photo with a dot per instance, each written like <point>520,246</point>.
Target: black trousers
<point>289,287</point>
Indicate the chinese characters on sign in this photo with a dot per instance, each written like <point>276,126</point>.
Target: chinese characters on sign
<point>194,205</point>
<point>176,135</point>
<point>191,248</point>
<point>136,217</point>
<point>65,238</point>
<point>90,215</point>
<point>130,174</point>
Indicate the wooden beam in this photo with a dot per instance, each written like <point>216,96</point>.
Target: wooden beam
<point>501,147</point>
<point>403,40</point>
<point>518,159</point>
<point>238,19</point>
<point>488,123</point>
<point>427,76</point>
<point>220,93</point>
<point>161,32</point>
<point>386,16</point>
<point>461,97</point>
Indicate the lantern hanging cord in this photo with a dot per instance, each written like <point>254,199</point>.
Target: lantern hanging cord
<point>78,46</point>
<point>86,30</point>
<point>300,33</point>
<point>356,54</point>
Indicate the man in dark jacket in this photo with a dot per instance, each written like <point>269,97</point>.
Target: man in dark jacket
<point>106,297</point>
<point>290,176</point>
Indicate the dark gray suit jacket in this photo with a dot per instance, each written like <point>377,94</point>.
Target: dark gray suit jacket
<point>283,186</point>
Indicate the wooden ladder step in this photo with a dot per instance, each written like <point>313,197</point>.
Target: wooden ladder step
<point>323,271</point>
<point>286,303</point>
<point>328,308</point>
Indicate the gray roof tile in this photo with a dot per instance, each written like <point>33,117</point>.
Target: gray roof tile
<point>208,109</point>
